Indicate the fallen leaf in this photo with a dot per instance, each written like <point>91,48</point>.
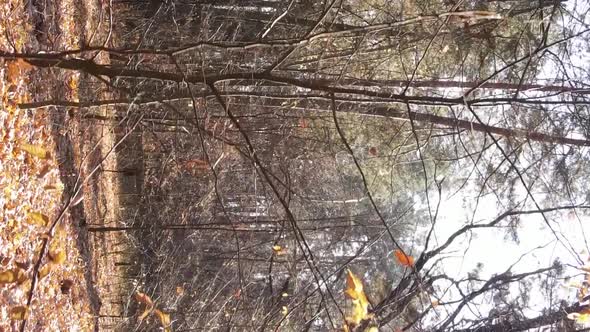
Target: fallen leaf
<point>22,265</point>
<point>7,277</point>
<point>284,310</point>
<point>18,313</point>
<point>277,249</point>
<point>11,276</point>
<point>57,256</point>
<point>54,187</point>
<point>303,123</point>
<point>43,171</point>
<point>44,271</point>
<point>35,150</point>
<point>38,218</point>
<point>196,164</point>
<point>16,68</point>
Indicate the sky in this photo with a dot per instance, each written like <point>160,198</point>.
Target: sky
<point>537,246</point>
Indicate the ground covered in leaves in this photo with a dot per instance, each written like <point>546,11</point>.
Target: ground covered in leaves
<point>41,269</point>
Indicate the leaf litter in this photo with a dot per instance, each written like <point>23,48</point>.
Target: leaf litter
<point>31,195</point>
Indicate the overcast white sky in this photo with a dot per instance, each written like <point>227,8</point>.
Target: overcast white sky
<point>490,246</point>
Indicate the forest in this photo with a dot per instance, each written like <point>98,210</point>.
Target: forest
<point>295,165</point>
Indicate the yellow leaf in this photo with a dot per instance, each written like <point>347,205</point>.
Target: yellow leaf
<point>57,256</point>
<point>20,275</point>
<point>352,285</point>
<point>54,187</point>
<point>402,258</point>
<point>277,248</point>
<point>143,298</point>
<point>7,277</point>
<point>372,329</point>
<point>44,271</point>
<point>163,317</point>
<point>18,313</point>
<point>14,275</point>
<point>35,150</point>
<point>360,303</point>
<point>284,310</point>
<point>73,83</point>
<point>144,314</point>
<point>579,318</point>
<point>38,218</point>
<point>575,284</point>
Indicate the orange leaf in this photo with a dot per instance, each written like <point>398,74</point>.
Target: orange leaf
<point>15,69</point>
<point>402,258</point>
<point>303,123</point>
<point>196,164</point>
<point>144,299</point>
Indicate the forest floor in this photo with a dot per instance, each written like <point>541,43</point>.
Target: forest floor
<point>53,275</point>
